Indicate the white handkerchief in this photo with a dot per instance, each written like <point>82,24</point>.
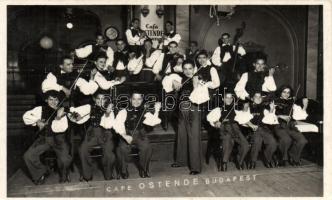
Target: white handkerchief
<point>168,82</point>
<point>200,95</point>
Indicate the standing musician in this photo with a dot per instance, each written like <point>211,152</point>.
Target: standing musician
<point>256,80</point>
<point>169,36</point>
<point>133,124</point>
<point>224,57</point>
<point>52,124</point>
<point>192,51</point>
<point>223,118</point>
<point>188,142</point>
<point>99,132</point>
<point>135,37</point>
<point>291,141</point>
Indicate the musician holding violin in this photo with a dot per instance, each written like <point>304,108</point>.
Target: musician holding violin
<point>257,80</point>
<point>52,124</point>
<point>99,132</point>
<point>291,141</point>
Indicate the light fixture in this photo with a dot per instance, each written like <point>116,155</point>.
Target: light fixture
<point>221,12</point>
<point>145,11</point>
<point>160,11</point>
<point>69,25</point>
<point>69,18</point>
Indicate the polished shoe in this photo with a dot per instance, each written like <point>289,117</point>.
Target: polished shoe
<point>269,165</point>
<point>240,166</point>
<point>125,175</point>
<point>224,166</point>
<point>297,163</point>
<point>252,165</point>
<point>147,174</point>
<point>40,181</point>
<point>141,173</point>
<point>86,179</point>
<point>175,165</point>
<point>194,172</point>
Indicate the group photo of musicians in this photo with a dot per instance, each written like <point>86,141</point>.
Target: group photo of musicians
<point>112,97</point>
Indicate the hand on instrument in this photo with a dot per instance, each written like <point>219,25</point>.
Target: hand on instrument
<point>41,124</point>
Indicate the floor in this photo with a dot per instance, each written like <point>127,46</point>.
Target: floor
<point>306,180</point>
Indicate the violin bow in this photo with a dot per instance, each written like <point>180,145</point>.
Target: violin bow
<point>297,91</point>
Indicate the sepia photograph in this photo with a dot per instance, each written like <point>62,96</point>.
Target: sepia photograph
<point>156,100</point>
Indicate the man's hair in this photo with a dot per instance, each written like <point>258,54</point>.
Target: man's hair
<point>119,39</point>
<point>188,62</point>
<point>65,57</point>
<point>169,22</point>
<point>172,42</point>
<point>227,34</point>
<point>260,56</point>
<point>282,88</point>
<point>203,52</point>
<point>256,92</point>
<point>134,19</point>
<point>101,55</point>
<point>99,34</point>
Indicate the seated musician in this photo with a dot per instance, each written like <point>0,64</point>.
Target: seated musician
<point>120,61</point>
<point>63,79</point>
<point>103,77</point>
<point>52,124</point>
<point>133,124</point>
<point>262,117</point>
<point>291,141</point>
<point>134,67</point>
<point>256,80</point>
<point>224,119</point>
<point>150,58</point>
<point>99,132</point>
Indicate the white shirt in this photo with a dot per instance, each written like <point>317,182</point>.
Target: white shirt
<point>268,86</point>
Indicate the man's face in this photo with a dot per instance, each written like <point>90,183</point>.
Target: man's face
<point>168,27</point>
<point>147,45</point>
<point>259,65</point>
<point>257,98</point>
<point>285,94</point>
<point>100,40</point>
<point>193,46</point>
<point>101,63</point>
<point>173,48</point>
<point>120,45</point>
<point>136,100</point>
<point>179,61</point>
<point>99,100</point>
<point>52,102</point>
<point>188,70</point>
<point>228,99</point>
<point>202,59</point>
<point>67,65</point>
<point>135,24</point>
<point>225,39</point>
